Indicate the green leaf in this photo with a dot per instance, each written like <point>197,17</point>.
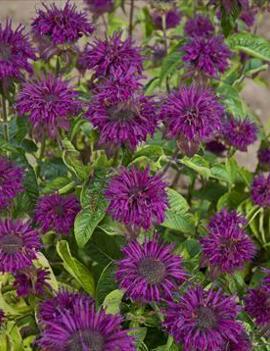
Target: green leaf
<point>231,98</point>
<point>198,164</point>
<point>170,64</point>
<point>106,283</point>
<point>55,184</point>
<point>112,301</point>
<point>251,44</point>
<point>231,200</point>
<point>71,158</point>
<point>42,262</point>
<point>94,210</point>
<point>75,268</point>
<point>177,216</point>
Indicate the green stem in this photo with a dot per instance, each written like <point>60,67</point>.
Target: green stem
<point>5,118</point>
<point>131,13</point>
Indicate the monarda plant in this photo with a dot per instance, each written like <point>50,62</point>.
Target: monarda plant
<point>127,221</point>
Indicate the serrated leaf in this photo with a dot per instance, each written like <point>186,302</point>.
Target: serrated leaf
<point>251,44</point>
<point>198,164</point>
<point>75,268</point>
<point>177,216</point>
<point>170,64</point>
<point>94,210</point>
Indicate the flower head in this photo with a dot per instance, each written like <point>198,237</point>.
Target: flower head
<point>260,190</point>
<point>150,271</point>
<point>61,26</point>
<point>85,329</point>
<point>215,146</point>
<point>136,198</point>
<point>98,7</point>
<point>51,309</point>
<point>49,102</point>
<point>111,54</point>
<point>11,182</point>
<point>203,320</point>
<point>31,282</point>
<point>207,55</point>
<point>19,244</point>
<point>123,117</point>
<point>57,212</point>
<point>199,26</point>
<point>15,51</point>
<point>257,305</point>
<point>264,157</point>
<point>227,247</point>
<point>242,343</point>
<point>240,133</point>
<point>192,113</point>
<point>172,19</point>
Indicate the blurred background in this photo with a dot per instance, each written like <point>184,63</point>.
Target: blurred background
<point>256,93</point>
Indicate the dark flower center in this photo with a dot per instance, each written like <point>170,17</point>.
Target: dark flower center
<point>11,243</point>
<point>50,97</point>
<point>86,340</point>
<point>122,112</point>
<point>191,114</point>
<point>59,210</point>
<point>205,318</point>
<point>5,52</point>
<point>152,270</point>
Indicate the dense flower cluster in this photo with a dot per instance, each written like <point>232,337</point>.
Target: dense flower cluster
<point>203,320</point>
<point>85,328</point>
<point>136,198</point>
<point>61,26</point>
<point>260,190</point>
<point>108,55</point>
<point>192,113</point>
<point>15,51</point>
<point>19,244</point>
<point>227,246</point>
<point>150,271</point>
<point>98,7</point>
<point>127,220</point>
<point>11,182</point>
<point>57,213</point>
<point>49,102</point>
<point>240,133</point>
<point>208,55</point>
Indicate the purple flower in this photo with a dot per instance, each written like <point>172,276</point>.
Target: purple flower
<point>51,309</point>
<point>192,113</point>
<point>85,329</point>
<point>227,247</point>
<point>215,146</point>
<point>15,51</point>
<point>19,244</point>
<point>203,320</point>
<point>56,212</point>
<point>264,157</point>
<point>257,305</point>
<point>136,198</point>
<point>260,190</point>
<point>207,55</point>
<point>248,16</point>
<point>242,344</point>
<point>122,115</point>
<point>150,271</point>
<point>199,26</point>
<point>107,56</point>
<point>98,7</point>
<point>172,19</point>
<point>61,26</point>
<point>49,102</point>
<point>11,182</point>
<point>2,317</point>
<point>31,282</point>
<point>240,133</point>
